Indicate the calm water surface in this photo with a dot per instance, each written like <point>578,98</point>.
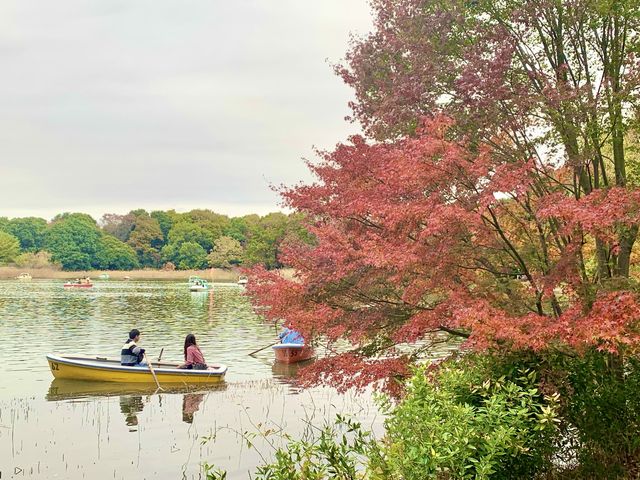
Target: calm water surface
<point>71,430</point>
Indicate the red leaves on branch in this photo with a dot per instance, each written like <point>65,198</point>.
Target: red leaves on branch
<point>427,235</point>
<point>500,221</point>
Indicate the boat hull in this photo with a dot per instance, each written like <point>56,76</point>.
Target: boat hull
<point>78,285</point>
<point>292,353</point>
<point>98,369</point>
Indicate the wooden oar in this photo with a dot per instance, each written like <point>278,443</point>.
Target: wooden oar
<point>160,356</point>
<point>260,349</point>
<point>152,371</point>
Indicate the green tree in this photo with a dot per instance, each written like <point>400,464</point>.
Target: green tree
<point>226,252</point>
<point>30,231</point>
<point>266,238</point>
<point>166,220</point>
<point>146,239</point>
<point>188,231</point>
<point>240,228</point>
<point>9,248</point>
<point>116,255</point>
<point>185,256</point>
<point>4,224</point>
<point>214,224</point>
<point>74,241</point>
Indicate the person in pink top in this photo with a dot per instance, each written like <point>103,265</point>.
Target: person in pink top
<point>193,358</point>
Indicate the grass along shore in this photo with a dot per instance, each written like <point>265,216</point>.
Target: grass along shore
<point>211,274</point>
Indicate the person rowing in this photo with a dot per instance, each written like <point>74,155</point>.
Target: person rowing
<point>291,336</point>
<point>131,355</point>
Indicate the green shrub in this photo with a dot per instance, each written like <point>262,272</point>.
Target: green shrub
<point>601,413</point>
<point>465,422</point>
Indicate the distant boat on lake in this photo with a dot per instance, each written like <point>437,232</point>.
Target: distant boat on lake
<point>243,281</point>
<point>104,276</point>
<point>79,283</point>
<point>24,277</point>
<point>199,285</point>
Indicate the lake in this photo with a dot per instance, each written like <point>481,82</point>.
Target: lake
<point>73,430</point>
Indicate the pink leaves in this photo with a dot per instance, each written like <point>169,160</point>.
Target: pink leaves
<point>599,213</point>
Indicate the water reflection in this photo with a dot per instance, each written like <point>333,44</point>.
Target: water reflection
<point>130,406</point>
<point>77,430</point>
<point>96,322</point>
<point>190,405</point>
<point>61,389</point>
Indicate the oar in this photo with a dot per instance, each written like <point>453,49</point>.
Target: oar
<point>160,356</point>
<point>152,371</point>
<point>260,349</point>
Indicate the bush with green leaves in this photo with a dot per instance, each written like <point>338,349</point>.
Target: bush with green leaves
<point>600,412</point>
<point>339,450</point>
<point>476,417</point>
<point>466,421</point>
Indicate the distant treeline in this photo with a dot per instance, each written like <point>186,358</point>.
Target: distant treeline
<point>139,239</point>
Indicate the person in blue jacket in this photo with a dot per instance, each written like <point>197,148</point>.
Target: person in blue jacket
<point>291,336</point>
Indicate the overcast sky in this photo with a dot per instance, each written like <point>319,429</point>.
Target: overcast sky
<point>111,105</point>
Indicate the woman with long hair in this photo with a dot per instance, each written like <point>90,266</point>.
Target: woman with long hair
<point>193,358</point>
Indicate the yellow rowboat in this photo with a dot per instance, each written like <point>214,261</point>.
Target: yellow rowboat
<point>101,369</point>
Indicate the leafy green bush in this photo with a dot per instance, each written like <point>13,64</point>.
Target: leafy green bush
<point>339,451</point>
<point>601,413</point>
<point>463,421</point>
<point>477,417</point>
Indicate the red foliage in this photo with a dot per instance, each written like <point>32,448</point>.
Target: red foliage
<point>497,220</point>
<point>414,237</point>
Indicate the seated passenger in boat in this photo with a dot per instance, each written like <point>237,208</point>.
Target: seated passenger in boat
<point>131,354</point>
<point>291,336</point>
<point>193,358</point>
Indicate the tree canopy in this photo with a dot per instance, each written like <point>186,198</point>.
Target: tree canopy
<point>490,199</point>
<point>9,248</point>
<point>151,240</point>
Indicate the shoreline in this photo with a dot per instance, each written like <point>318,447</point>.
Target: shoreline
<point>211,274</point>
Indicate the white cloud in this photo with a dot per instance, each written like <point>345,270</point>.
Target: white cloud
<point>112,105</point>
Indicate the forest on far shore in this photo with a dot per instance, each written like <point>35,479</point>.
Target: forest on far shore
<point>159,239</point>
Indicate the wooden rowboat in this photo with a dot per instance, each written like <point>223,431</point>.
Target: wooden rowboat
<point>77,285</point>
<point>293,352</point>
<point>101,369</point>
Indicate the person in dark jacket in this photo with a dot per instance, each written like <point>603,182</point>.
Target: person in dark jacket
<point>131,354</point>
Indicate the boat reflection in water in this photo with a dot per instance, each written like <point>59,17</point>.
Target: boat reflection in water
<point>287,373</point>
<point>190,405</point>
<point>130,406</point>
<point>133,396</point>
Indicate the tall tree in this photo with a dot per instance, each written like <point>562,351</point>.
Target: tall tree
<point>553,80</point>
<point>166,221</point>
<point>30,231</point>
<point>120,226</point>
<point>9,248</point>
<point>146,239</point>
<point>114,254</point>
<point>185,255</point>
<point>226,253</point>
<point>493,202</point>
<point>74,241</point>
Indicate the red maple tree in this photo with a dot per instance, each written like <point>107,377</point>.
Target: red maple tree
<point>493,201</point>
